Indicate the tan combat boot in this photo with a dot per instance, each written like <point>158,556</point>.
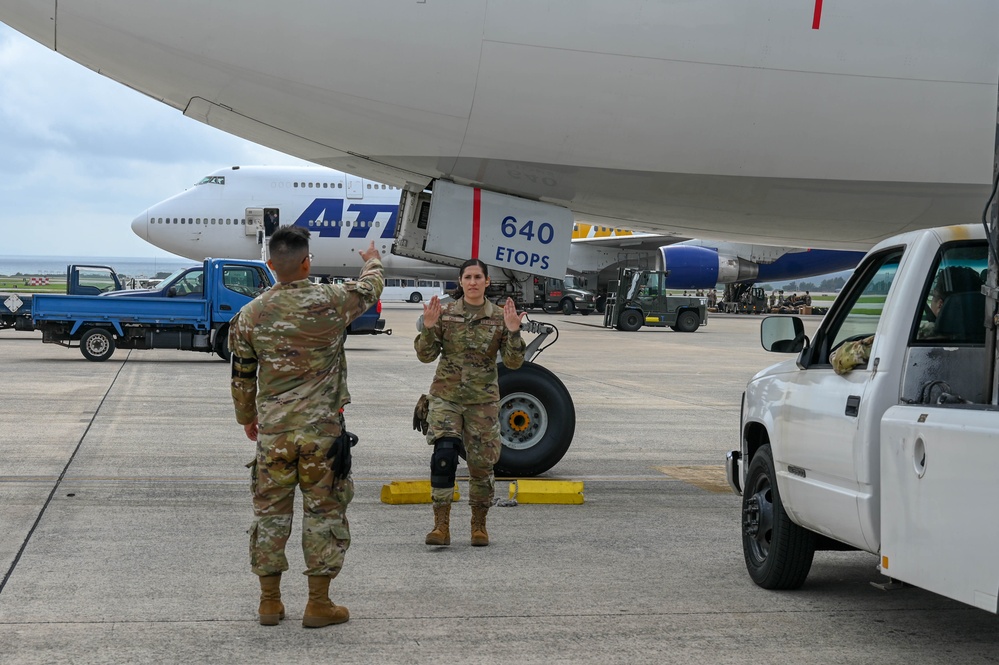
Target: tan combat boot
<point>271,608</point>
<point>320,611</point>
<point>441,535</point>
<point>480,538</point>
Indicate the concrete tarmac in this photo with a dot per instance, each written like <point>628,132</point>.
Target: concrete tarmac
<point>124,504</point>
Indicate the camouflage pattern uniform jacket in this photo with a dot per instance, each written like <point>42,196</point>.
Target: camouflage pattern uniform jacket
<point>291,389</point>
<point>467,345</point>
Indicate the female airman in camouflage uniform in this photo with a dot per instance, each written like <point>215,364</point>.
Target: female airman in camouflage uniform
<point>466,333</point>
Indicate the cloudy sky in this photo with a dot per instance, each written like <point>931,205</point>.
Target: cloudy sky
<point>83,155</point>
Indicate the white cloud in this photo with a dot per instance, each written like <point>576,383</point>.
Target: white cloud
<point>83,155</point>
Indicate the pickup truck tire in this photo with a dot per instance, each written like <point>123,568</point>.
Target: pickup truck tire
<point>778,552</point>
<point>222,344</point>
<point>537,420</point>
<point>567,307</point>
<point>97,344</point>
<point>687,322</point>
<point>630,320</point>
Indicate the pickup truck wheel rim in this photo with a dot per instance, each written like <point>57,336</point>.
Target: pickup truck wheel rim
<point>757,519</point>
<point>523,420</point>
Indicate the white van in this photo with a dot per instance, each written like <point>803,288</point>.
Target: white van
<point>412,290</point>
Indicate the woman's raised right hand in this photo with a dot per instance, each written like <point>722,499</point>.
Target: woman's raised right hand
<point>431,312</point>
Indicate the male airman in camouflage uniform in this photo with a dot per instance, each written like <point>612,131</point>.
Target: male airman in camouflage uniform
<point>289,386</point>
<point>464,397</point>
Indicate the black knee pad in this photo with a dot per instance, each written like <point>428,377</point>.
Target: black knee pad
<point>444,462</point>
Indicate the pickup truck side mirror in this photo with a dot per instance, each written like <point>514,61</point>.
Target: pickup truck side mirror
<point>783,334</point>
<point>172,292</point>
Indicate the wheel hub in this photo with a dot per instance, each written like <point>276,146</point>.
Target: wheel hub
<point>523,420</point>
<point>519,420</point>
<point>751,517</point>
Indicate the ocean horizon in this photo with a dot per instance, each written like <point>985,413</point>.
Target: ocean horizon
<point>52,265</point>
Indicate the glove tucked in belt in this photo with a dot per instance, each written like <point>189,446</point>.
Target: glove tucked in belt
<point>420,414</point>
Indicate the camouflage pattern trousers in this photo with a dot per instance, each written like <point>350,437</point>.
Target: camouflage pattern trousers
<point>283,461</point>
<point>477,425</point>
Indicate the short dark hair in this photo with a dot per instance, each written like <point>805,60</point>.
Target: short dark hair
<point>956,279</point>
<point>288,247</point>
<point>472,262</point>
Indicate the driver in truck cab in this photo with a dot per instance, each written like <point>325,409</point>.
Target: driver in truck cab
<point>952,313</point>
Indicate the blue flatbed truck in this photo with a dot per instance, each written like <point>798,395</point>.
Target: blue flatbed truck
<point>189,310</point>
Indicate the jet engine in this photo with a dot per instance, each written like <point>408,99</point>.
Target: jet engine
<point>693,267</point>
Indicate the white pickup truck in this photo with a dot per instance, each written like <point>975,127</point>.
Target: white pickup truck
<point>896,456</point>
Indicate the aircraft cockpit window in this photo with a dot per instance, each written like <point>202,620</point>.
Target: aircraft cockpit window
<point>212,180</point>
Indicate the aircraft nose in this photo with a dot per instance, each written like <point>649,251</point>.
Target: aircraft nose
<point>140,225</point>
<point>35,19</point>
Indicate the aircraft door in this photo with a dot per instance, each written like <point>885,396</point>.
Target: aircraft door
<point>272,220</point>
<point>255,223</point>
<point>355,188</point>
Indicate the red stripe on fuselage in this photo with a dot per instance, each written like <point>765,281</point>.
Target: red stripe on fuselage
<point>476,220</point>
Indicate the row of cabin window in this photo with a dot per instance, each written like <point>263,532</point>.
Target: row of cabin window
<point>339,185</point>
<point>183,220</point>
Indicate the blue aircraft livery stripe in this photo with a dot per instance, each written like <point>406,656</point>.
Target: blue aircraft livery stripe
<point>325,217</point>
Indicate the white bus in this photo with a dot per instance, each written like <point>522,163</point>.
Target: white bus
<point>412,290</point>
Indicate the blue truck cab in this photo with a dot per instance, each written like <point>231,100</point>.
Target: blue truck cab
<point>188,283</point>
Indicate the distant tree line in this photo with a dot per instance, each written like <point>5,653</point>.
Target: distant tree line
<point>830,285</point>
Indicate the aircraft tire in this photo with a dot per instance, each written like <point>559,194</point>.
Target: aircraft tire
<point>630,320</point>
<point>778,552</point>
<point>97,345</point>
<point>688,321</point>
<point>222,344</point>
<point>537,420</point>
<point>415,297</point>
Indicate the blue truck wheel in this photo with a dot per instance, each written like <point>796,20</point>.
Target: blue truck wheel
<point>97,344</point>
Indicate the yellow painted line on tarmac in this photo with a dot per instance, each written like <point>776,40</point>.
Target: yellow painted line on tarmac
<point>710,478</point>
